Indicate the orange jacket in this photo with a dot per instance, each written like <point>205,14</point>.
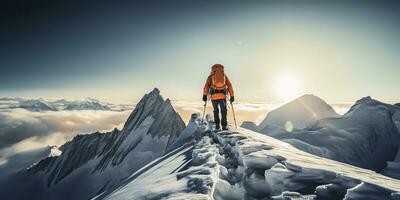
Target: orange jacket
<point>217,96</point>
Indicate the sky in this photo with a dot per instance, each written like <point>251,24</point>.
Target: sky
<point>271,50</point>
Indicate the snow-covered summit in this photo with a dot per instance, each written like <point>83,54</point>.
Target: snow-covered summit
<point>300,113</point>
<point>167,120</point>
<point>36,106</point>
<point>87,104</point>
<point>366,136</point>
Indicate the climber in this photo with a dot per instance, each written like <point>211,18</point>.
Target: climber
<point>218,86</point>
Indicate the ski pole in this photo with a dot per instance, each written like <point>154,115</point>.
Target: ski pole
<point>234,117</point>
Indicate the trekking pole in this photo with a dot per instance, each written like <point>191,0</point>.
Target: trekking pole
<point>204,109</point>
<point>234,117</point>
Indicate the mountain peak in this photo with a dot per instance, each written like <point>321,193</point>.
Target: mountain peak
<point>310,98</point>
<point>155,91</point>
<point>147,106</point>
<point>365,100</point>
<point>161,111</point>
<point>300,112</point>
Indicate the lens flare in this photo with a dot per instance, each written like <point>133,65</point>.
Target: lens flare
<point>289,126</point>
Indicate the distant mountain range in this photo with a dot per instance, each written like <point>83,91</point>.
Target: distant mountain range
<point>41,105</point>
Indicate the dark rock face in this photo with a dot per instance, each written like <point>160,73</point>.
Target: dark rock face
<point>75,153</point>
<point>167,121</point>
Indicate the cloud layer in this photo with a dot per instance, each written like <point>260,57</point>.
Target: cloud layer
<point>22,130</point>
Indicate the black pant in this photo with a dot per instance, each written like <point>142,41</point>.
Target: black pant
<point>220,103</point>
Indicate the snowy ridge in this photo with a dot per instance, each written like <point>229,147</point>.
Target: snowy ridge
<point>242,164</point>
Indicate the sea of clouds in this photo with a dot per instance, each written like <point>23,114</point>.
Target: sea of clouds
<point>22,130</point>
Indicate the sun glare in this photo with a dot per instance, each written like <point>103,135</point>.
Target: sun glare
<point>287,87</point>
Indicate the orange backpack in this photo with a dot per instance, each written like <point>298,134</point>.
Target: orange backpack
<point>218,79</point>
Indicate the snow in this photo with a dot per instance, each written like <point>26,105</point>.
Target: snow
<point>54,151</point>
<point>36,106</point>
<point>42,105</point>
<point>242,164</point>
<point>365,136</point>
<point>301,112</point>
<point>250,125</point>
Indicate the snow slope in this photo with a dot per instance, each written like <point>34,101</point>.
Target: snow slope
<point>241,164</point>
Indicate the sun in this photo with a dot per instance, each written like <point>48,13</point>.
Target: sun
<point>287,87</point>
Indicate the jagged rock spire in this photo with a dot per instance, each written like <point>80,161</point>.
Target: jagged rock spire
<point>166,120</point>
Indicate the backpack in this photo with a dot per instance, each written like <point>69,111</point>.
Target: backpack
<point>218,79</point>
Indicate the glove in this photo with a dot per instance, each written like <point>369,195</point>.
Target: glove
<point>204,97</point>
<point>232,99</point>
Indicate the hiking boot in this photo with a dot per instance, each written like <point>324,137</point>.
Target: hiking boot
<point>217,127</point>
<point>224,128</point>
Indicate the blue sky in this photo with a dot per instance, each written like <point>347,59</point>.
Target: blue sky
<point>272,50</point>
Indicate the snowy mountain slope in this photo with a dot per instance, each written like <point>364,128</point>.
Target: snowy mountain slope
<point>36,106</point>
<point>95,162</point>
<point>87,104</point>
<point>366,136</point>
<point>300,113</point>
<point>250,125</point>
<point>241,164</point>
